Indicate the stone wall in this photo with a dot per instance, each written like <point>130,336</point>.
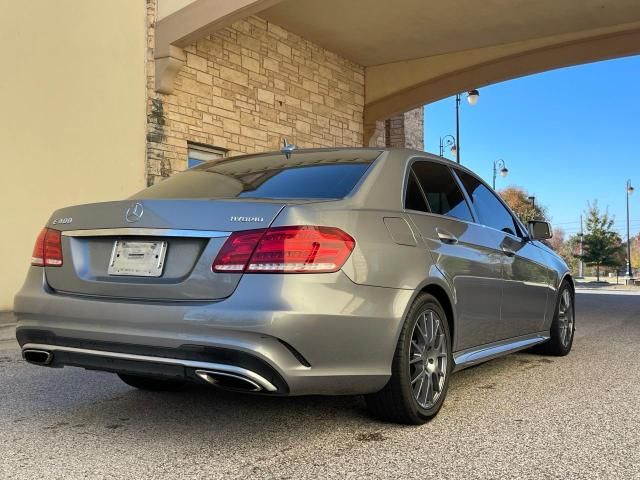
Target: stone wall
<point>247,87</point>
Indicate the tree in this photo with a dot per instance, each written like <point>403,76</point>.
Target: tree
<point>602,246</point>
<point>518,200</point>
<point>557,241</point>
<point>567,248</point>
<point>570,251</point>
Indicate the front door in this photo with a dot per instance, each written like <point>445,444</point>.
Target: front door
<point>526,280</point>
<point>527,289</point>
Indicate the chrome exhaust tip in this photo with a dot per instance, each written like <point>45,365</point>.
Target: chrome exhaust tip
<point>37,357</point>
<point>230,381</point>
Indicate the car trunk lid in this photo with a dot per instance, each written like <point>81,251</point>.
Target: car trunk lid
<point>191,232</point>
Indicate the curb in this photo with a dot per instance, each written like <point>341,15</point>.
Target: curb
<point>607,291</point>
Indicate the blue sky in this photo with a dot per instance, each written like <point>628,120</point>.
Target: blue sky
<point>567,136</point>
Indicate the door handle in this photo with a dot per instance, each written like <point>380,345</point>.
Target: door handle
<point>507,251</point>
<point>446,237</point>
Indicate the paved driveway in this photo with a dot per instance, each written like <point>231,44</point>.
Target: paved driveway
<point>523,416</point>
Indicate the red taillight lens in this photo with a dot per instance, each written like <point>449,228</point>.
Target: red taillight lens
<point>301,249</point>
<point>52,248</point>
<point>237,250</point>
<point>298,249</point>
<point>37,257</point>
<point>47,252</point>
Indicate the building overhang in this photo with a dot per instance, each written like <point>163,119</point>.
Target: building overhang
<point>413,51</point>
<point>182,22</point>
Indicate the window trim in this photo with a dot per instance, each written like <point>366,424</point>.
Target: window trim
<point>456,168</point>
<point>409,170</point>
<point>514,218</point>
<point>205,148</point>
<point>467,198</point>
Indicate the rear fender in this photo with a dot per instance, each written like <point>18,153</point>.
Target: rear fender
<point>436,278</point>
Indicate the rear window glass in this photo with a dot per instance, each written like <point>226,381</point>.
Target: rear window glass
<point>323,175</point>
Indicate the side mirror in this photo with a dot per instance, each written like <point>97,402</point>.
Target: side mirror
<point>540,230</point>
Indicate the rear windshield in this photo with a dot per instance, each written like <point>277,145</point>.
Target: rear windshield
<point>307,175</point>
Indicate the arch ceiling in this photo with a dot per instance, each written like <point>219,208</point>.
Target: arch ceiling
<point>418,51</point>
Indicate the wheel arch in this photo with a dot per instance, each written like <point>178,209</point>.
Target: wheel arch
<point>441,295</point>
<point>567,276</point>
<point>553,304</point>
<point>439,288</point>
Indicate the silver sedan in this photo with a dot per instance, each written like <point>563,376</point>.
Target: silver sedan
<point>341,271</point>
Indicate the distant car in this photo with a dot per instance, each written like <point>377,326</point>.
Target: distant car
<point>344,271</point>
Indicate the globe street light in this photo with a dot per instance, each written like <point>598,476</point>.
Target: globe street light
<point>472,97</point>
<point>448,141</point>
<point>629,268</point>
<point>499,164</point>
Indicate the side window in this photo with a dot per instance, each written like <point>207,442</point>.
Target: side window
<point>441,189</point>
<point>199,154</point>
<point>491,212</point>
<point>414,200</point>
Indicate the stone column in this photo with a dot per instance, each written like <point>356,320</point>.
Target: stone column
<point>401,131</point>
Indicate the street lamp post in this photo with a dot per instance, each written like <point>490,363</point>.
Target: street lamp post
<point>581,237</point>
<point>499,164</point>
<point>472,98</point>
<point>448,141</point>
<point>629,267</point>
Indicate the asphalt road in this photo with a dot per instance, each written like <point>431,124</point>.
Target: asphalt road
<point>523,416</point>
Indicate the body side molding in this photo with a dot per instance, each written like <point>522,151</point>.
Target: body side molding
<point>473,356</point>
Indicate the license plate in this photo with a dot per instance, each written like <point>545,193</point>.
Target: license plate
<point>137,259</point>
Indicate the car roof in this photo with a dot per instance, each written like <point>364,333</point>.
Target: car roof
<point>409,153</point>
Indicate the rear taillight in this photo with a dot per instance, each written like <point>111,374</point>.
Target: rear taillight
<point>47,251</point>
<point>297,249</point>
<point>236,251</point>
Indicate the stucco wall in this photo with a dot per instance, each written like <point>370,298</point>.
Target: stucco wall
<point>246,87</point>
<point>72,127</point>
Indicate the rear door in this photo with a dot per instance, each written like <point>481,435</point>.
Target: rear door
<point>526,279</point>
<point>466,253</point>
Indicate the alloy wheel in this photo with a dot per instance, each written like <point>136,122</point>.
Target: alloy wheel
<point>565,317</point>
<point>428,358</point>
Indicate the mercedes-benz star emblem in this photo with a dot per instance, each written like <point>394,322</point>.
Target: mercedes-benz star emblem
<point>134,213</point>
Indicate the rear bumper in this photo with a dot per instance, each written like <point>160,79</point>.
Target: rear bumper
<point>175,365</point>
<point>303,334</point>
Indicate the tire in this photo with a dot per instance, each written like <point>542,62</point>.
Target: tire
<point>397,401</point>
<point>563,324</point>
<point>152,384</point>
